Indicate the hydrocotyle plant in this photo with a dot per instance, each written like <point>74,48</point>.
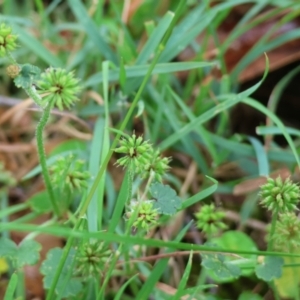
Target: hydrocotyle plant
<point>53,88</point>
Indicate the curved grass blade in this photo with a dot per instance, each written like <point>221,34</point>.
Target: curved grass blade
<point>233,100</point>
<point>277,121</point>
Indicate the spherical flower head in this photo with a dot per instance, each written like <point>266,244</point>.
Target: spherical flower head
<point>280,196</point>
<point>13,71</point>
<point>7,40</point>
<point>60,88</point>
<point>69,173</point>
<point>146,215</point>
<point>92,259</point>
<point>287,233</point>
<point>156,165</point>
<point>136,152</point>
<point>209,220</point>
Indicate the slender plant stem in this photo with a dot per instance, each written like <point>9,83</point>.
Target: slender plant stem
<point>31,92</point>
<point>42,157</point>
<point>273,226</point>
<point>270,248</point>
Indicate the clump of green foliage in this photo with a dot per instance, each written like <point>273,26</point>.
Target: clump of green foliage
<point>112,233</point>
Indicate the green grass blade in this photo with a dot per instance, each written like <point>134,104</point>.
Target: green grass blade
<point>279,89</point>
<point>233,100</point>
<point>12,285</point>
<point>129,240</point>
<point>124,286</point>
<point>201,195</point>
<point>141,70</point>
<point>158,270</point>
<point>201,130</point>
<point>261,156</point>
<point>123,196</point>
<point>94,163</point>
<point>155,38</point>
<point>91,30</point>
<point>276,121</point>
<point>36,47</point>
<point>263,45</point>
<point>184,279</point>
<point>265,130</point>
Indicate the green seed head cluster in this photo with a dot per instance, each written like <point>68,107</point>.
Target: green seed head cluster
<point>146,215</point>
<point>7,40</point>
<point>140,155</point>
<point>60,88</point>
<point>70,173</point>
<point>136,151</point>
<point>156,165</point>
<point>280,196</point>
<point>209,220</point>
<point>287,233</point>
<point>92,259</point>
<point>13,71</point>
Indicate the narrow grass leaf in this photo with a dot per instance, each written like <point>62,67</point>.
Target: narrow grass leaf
<point>91,29</point>
<point>261,156</point>
<point>124,286</point>
<point>276,121</point>
<point>184,279</point>
<point>128,240</point>
<point>37,47</point>
<point>265,130</point>
<point>10,290</point>
<point>94,163</point>
<point>201,195</point>
<point>155,38</point>
<point>158,270</point>
<point>141,70</point>
<point>121,200</point>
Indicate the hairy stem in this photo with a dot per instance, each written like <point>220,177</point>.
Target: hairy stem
<point>273,226</point>
<point>42,156</point>
<point>31,92</point>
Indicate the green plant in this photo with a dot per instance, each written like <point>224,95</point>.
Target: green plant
<point>125,209</point>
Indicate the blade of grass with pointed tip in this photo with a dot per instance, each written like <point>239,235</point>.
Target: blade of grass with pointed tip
<point>124,286</point>
<point>184,278</point>
<point>12,285</point>
<point>155,38</point>
<point>261,156</point>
